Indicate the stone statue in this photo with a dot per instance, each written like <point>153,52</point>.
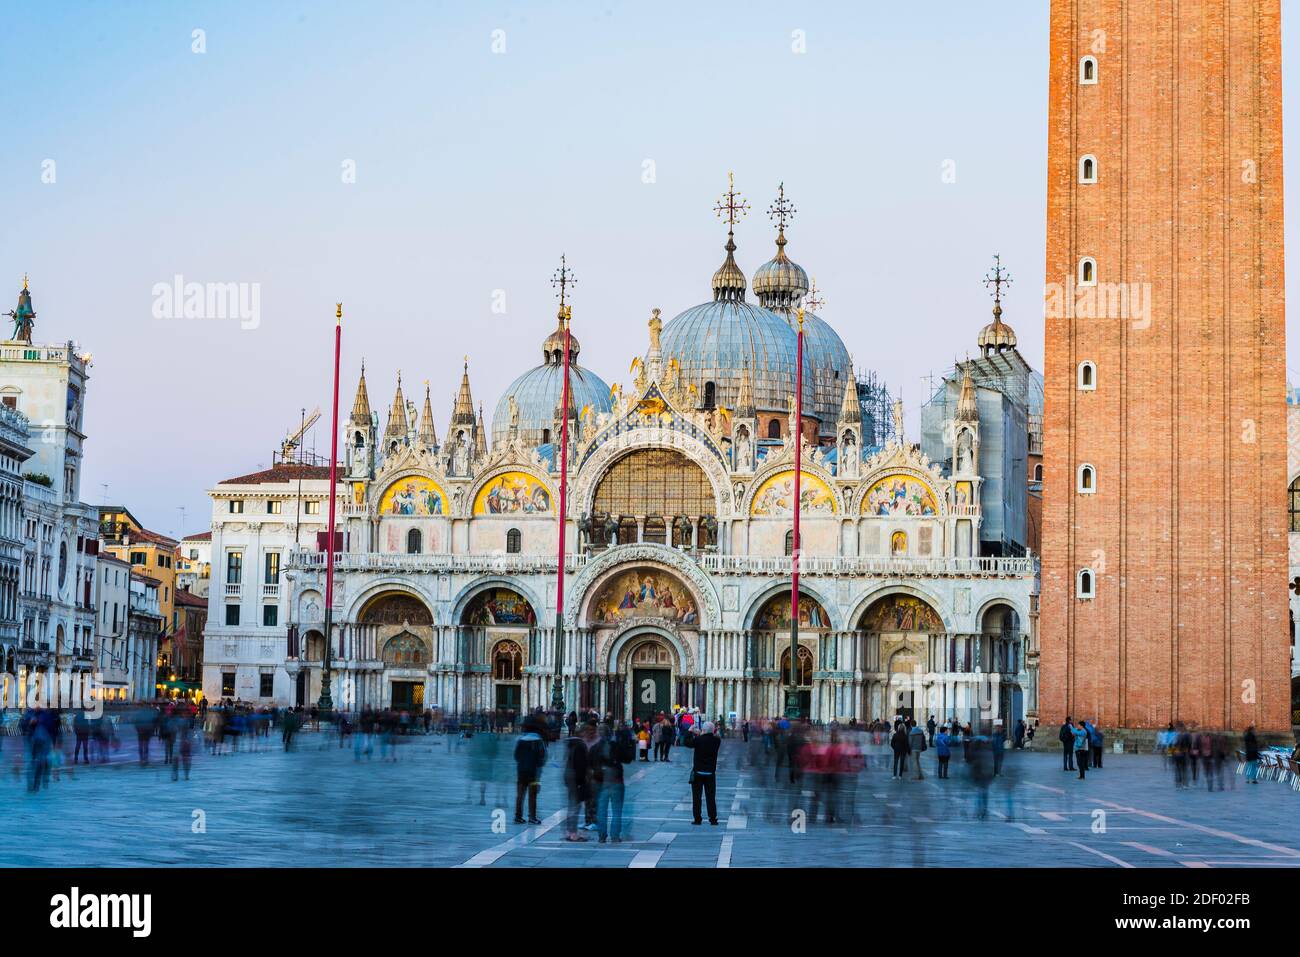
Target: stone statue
<point>514,412</point>
<point>898,420</point>
<point>656,325</point>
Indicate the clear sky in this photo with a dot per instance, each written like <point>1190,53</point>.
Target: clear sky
<point>474,170</point>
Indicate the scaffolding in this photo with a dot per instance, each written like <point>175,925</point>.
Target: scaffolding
<point>877,409</point>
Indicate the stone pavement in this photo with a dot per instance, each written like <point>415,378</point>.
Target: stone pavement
<point>319,806</point>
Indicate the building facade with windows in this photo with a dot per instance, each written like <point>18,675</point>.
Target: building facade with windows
<point>194,564</point>
<point>14,453</point>
<point>47,385</point>
<point>257,521</point>
<point>112,626</point>
<point>677,568</point>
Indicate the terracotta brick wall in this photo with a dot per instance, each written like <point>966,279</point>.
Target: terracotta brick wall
<point>1186,530</point>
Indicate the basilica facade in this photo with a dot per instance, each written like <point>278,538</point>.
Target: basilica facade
<point>678,540</point>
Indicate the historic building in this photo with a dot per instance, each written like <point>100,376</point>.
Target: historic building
<point>15,450</point>
<point>47,384</point>
<point>678,540</point>
<point>1164,549</point>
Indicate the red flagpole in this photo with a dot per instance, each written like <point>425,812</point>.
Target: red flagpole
<point>326,703</point>
<point>792,700</point>
<point>557,688</point>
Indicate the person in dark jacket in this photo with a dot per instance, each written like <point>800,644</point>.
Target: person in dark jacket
<point>1066,736</point>
<point>577,778</point>
<point>898,743</point>
<point>1251,743</point>
<point>530,758</point>
<point>704,771</point>
<point>930,726</point>
<point>1096,740</point>
<point>916,744</point>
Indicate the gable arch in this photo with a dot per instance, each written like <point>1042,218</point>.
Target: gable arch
<point>642,553</point>
<point>598,464</point>
<point>479,585</point>
<point>385,586</point>
<point>769,472</point>
<point>885,589</point>
<point>783,588</point>
<point>420,477</point>
<point>503,470</point>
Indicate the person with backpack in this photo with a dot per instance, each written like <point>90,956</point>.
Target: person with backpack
<point>530,758</point>
<point>1081,747</point>
<point>610,753</point>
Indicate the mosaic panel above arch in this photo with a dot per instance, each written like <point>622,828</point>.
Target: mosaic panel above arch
<point>513,493</point>
<point>499,606</point>
<point>775,497</point>
<point>900,494</point>
<point>901,613</point>
<point>644,592</point>
<point>775,613</point>
<point>413,495</point>
<point>395,609</point>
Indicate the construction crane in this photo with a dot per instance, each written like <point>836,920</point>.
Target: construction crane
<point>294,439</point>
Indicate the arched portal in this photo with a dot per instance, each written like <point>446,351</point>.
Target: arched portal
<point>901,625</point>
<point>803,676</point>
<point>397,629</point>
<point>507,678</point>
<point>649,678</point>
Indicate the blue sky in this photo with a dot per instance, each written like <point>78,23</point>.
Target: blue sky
<point>475,170</point>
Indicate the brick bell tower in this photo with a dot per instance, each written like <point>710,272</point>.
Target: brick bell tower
<point>1164,557</point>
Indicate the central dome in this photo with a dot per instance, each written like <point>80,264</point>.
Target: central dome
<point>716,343</point>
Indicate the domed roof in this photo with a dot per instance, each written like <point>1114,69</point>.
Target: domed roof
<point>718,342</point>
<point>539,392</point>
<point>997,335</point>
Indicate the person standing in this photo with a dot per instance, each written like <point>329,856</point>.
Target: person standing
<point>577,779</point>
<point>1066,737</point>
<point>930,726</point>
<point>899,745</point>
<point>704,770</point>
<point>1019,738</point>
<point>942,750</point>
<point>530,758</point>
<point>1096,741</point>
<point>916,744</point>
<point>1251,743</point>
<point>607,759</point>
<point>1081,747</point>
<point>665,739</point>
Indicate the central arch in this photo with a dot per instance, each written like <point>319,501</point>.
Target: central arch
<point>395,628</point>
<point>642,652</point>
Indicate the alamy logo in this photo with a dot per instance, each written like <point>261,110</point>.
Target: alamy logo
<point>179,299</point>
<point>103,910</point>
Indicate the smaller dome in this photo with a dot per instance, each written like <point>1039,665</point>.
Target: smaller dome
<point>780,282</point>
<point>729,281</point>
<point>553,345</point>
<point>997,335</point>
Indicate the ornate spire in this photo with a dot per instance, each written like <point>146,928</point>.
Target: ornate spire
<point>480,445</point>
<point>361,404</point>
<point>967,410</point>
<point>851,408</point>
<point>745,402</point>
<point>729,282</point>
<point>813,302</point>
<point>397,423</point>
<point>428,434</point>
<point>463,413</point>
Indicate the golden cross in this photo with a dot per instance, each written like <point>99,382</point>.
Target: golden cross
<point>813,300</point>
<point>732,205</point>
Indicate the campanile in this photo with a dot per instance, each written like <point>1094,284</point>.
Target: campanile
<point>1164,591</point>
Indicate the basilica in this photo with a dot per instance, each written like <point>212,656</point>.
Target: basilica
<point>678,539</point>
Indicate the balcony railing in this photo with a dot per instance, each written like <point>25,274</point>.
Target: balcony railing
<point>874,566</point>
<point>270,589</point>
<point>234,589</point>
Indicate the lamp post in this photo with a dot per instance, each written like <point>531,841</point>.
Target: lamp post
<point>557,687</point>
<point>792,696</point>
<point>325,704</point>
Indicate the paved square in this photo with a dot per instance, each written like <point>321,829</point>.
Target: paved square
<point>318,805</point>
